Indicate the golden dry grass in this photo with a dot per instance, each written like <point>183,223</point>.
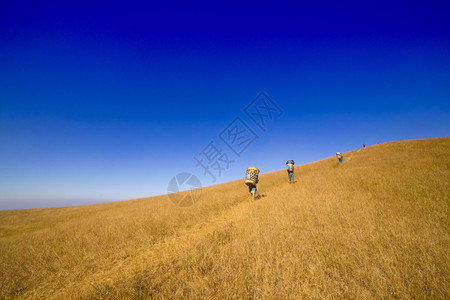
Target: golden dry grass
<point>375,227</point>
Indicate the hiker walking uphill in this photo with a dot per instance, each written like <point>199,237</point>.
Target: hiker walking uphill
<point>290,170</point>
<point>251,180</point>
<point>340,157</point>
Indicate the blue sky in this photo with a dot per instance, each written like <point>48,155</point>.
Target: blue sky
<point>108,101</point>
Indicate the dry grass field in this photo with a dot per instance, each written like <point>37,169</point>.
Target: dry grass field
<point>375,227</point>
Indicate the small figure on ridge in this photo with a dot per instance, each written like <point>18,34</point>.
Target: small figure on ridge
<point>290,170</point>
<point>339,156</point>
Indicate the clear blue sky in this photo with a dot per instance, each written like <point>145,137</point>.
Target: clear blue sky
<point>108,101</point>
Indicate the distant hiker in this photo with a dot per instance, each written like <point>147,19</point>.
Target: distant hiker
<point>364,145</point>
<point>339,157</point>
<point>290,170</point>
<point>251,180</point>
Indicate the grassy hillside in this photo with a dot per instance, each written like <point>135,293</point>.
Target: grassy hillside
<point>377,226</point>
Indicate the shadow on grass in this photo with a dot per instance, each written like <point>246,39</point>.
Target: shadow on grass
<point>257,197</point>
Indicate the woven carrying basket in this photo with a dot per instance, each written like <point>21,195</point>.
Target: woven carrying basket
<point>252,170</point>
<point>251,176</point>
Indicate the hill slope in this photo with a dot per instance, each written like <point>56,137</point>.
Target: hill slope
<point>376,226</point>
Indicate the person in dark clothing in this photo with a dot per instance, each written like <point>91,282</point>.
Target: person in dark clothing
<point>340,157</point>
